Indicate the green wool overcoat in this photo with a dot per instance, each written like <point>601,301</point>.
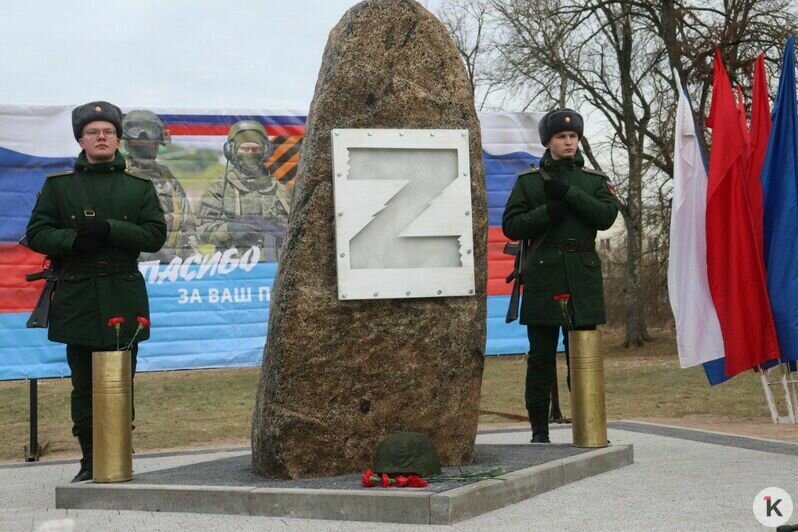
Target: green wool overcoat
<point>551,271</point>
<point>86,296</point>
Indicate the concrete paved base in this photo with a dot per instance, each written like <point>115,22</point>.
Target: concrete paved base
<point>413,506</point>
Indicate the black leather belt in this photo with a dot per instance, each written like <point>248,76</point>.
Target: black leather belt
<point>100,267</point>
<point>571,245</point>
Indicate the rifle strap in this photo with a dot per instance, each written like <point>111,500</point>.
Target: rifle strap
<point>88,212</point>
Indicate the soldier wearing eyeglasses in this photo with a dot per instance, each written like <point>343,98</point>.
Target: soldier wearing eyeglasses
<point>92,222</point>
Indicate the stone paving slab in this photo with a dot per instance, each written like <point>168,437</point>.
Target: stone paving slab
<point>237,470</point>
<point>227,486</point>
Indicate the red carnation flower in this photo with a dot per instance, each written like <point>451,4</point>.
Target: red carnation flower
<point>563,299</point>
<point>401,481</point>
<point>368,479</point>
<point>116,322</point>
<point>386,480</point>
<point>144,322</point>
<point>415,481</point>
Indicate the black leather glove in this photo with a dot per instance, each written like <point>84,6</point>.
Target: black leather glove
<point>85,244</point>
<point>94,229</point>
<point>243,232</point>
<point>555,189</point>
<point>556,210</point>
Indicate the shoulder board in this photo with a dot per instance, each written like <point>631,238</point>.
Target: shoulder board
<point>529,171</point>
<point>58,174</point>
<point>133,173</point>
<point>595,172</point>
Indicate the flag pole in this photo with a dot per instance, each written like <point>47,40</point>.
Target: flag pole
<point>774,413</point>
<point>787,395</point>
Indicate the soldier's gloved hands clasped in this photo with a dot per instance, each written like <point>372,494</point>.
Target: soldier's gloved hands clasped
<point>243,232</point>
<point>555,189</point>
<point>95,229</point>
<point>556,210</point>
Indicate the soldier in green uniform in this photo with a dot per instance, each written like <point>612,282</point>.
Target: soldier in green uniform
<point>246,207</point>
<point>144,134</point>
<point>92,223</point>
<point>564,204</point>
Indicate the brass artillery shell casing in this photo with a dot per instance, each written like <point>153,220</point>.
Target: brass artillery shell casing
<point>588,407</point>
<point>111,416</point>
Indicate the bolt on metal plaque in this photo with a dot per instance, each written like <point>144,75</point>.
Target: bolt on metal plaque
<point>403,226</point>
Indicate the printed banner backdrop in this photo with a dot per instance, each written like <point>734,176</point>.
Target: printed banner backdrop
<point>209,304</point>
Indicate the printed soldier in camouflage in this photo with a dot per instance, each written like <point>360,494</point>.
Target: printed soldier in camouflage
<point>144,134</point>
<point>246,207</point>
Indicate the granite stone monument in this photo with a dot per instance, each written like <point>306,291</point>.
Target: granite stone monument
<point>339,375</point>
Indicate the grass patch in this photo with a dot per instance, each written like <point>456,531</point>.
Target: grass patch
<point>214,407</point>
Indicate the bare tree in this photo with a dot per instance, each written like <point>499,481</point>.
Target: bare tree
<point>741,29</point>
<point>609,59</point>
<point>617,56</point>
<point>469,24</point>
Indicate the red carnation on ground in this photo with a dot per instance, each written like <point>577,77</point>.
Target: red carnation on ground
<point>415,481</point>
<point>368,479</point>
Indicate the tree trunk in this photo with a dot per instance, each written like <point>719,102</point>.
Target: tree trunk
<point>636,333</point>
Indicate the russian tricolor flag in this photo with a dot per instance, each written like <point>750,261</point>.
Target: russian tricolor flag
<point>727,226</point>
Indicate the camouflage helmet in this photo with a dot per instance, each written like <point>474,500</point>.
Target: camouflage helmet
<point>247,131</point>
<point>142,125</point>
<point>407,452</point>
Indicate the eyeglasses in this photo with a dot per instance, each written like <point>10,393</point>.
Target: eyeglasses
<point>94,133</point>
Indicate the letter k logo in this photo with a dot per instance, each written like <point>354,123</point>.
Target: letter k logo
<point>777,509</point>
<point>772,506</point>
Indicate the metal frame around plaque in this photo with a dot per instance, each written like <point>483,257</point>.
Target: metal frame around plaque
<point>403,221</point>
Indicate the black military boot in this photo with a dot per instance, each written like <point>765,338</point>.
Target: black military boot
<point>540,426</point>
<point>86,465</point>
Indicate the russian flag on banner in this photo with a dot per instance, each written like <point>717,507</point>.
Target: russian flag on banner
<point>205,314</point>
<point>510,144</point>
<point>29,150</point>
